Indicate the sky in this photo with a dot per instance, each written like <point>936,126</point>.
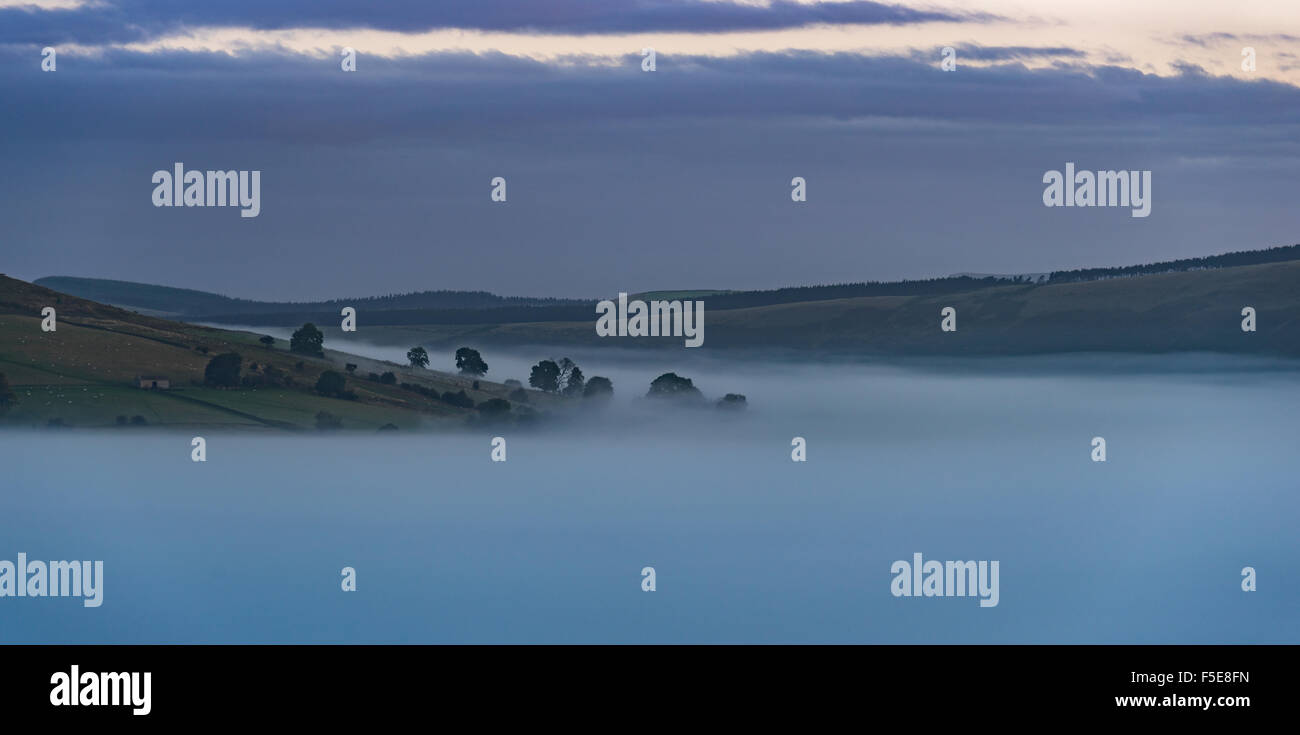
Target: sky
<point>618,179</point>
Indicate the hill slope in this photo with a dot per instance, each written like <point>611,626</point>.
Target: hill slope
<point>1169,312</point>
<point>82,374</point>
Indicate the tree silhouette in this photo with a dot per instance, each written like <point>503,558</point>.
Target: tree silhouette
<point>672,385</point>
<point>470,362</point>
<point>418,357</point>
<point>308,340</point>
<point>545,376</point>
<point>598,387</point>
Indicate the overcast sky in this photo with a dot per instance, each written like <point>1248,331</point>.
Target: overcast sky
<point>377,181</point>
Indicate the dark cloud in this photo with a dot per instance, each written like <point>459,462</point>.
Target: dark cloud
<point>378,181</point>
<point>184,95</point>
<point>133,20</point>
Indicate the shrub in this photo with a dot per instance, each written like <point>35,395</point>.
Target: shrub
<point>494,407</point>
<point>223,370</point>
<point>598,387</point>
<point>331,383</point>
<point>458,399</point>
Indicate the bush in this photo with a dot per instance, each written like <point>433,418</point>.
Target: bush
<point>138,420</point>
<point>519,395</point>
<point>476,385</point>
<point>732,401</point>
<point>598,387</point>
<point>223,370</point>
<point>458,399</point>
<point>326,421</point>
<point>494,407</point>
<point>388,378</point>
<point>331,383</point>
<point>121,420</point>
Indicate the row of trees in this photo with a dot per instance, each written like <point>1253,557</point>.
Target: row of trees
<point>468,360</point>
<point>674,386</point>
<point>565,378</point>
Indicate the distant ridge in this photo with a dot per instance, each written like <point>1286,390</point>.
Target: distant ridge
<point>481,307</point>
<point>193,303</point>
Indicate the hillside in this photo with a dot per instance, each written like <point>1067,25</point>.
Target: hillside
<point>82,374</point>
<point>1196,310</point>
<point>471,311</point>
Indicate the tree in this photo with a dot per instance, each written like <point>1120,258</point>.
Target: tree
<point>518,395</point>
<point>570,380</point>
<point>326,421</point>
<point>545,376</point>
<point>733,401</point>
<point>331,383</point>
<point>308,340</point>
<point>574,384</point>
<point>388,378</point>
<point>672,385</point>
<point>7,398</point>
<point>223,370</point>
<point>418,357</point>
<point>267,340</point>
<point>598,387</point>
<point>469,362</point>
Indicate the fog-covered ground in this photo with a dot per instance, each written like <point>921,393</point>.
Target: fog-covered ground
<point>978,461</point>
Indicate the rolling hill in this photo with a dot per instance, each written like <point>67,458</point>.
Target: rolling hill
<point>1180,311</point>
<point>83,374</point>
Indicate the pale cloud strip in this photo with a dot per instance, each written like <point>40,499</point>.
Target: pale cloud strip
<point>1165,38</point>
